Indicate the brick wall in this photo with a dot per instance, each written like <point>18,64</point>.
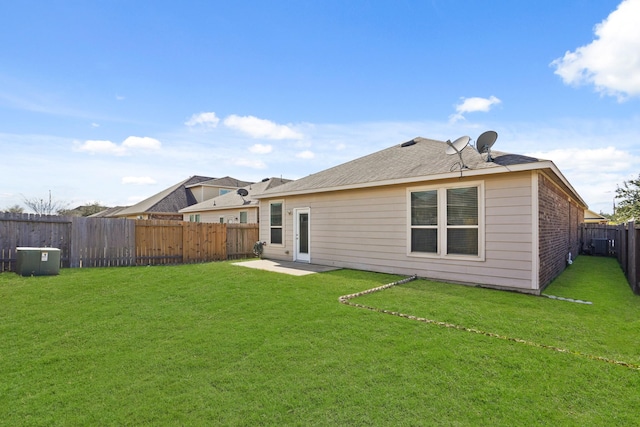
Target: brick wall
<point>558,224</point>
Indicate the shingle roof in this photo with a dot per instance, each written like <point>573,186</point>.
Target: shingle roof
<point>171,199</point>
<point>234,200</point>
<point>226,181</point>
<point>417,158</point>
<point>109,212</point>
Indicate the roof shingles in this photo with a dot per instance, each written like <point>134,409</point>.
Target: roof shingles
<point>424,158</point>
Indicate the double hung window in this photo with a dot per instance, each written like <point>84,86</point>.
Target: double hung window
<point>446,221</point>
<point>275,222</point>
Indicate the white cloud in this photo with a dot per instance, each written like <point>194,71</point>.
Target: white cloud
<point>207,120</point>
<point>138,180</point>
<point>612,61</point>
<point>108,147</point>
<point>305,155</point>
<point>260,128</point>
<point>95,125</point>
<point>141,142</point>
<point>102,147</point>
<point>248,163</point>
<point>261,149</point>
<point>120,98</point>
<point>472,105</point>
<point>594,173</point>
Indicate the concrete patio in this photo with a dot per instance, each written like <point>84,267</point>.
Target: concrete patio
<point>286,267</point>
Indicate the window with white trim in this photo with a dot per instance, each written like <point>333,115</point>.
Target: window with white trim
<point>446,221</point>
<point>275,222</point>
<point>243,217</point>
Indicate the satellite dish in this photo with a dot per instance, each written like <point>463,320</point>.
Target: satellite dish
<point>485,142</point>
<point>456,147</point>
<point>242,192</point>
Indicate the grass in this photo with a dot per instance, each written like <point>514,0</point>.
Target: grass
<point>217,344</point>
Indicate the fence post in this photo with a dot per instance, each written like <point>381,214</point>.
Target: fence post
<point>634,277</point>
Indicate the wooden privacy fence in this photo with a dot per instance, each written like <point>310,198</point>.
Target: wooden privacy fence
<point>629,253</point>
<point>104,242</point>
<point>621,241</point>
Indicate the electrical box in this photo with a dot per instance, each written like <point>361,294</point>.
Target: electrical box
<point>38,261</point>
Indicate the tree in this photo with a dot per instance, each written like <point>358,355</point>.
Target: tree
<point>17,209</point>
<point>629,206</point>
<point>45,207</point>
<point>85,210</point>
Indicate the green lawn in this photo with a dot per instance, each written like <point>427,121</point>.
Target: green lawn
<point>217,344</point>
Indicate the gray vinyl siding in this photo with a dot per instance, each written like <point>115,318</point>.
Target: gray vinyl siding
<point>367,229</point>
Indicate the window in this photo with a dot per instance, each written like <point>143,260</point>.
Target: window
<point>424,221</point>
<point>221,220</point>
<point>462,221</point>
<point>194,218</point>
<point>243,217</point>
<point>445,221</point>
<point>224,191</point>
<point>275,222</point>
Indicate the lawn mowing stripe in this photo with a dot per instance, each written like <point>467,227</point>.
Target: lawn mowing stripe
<point>346,299</point>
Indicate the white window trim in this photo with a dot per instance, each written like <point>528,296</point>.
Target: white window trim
<point>240,217</point>
<point>442,221</point>
<point>282,226</point>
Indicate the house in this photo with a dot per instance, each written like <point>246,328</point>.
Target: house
<point>232,207</point>
<point>167,203</point>
<point>511,223</point>
<point>590,217</point>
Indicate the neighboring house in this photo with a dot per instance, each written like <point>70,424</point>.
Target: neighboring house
<point>215,187</point>
<point>411,209</point>
<point>167,203</point>
<point>590,217</point>
<point>232,207</point>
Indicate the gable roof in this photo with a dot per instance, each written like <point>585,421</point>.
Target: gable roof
<point>226,181</point>
<point>169,200</point>
<point>417,160</point>
<point>234,200</point>
<point>109,212</point>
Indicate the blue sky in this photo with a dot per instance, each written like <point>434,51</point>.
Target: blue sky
<point>113,101</point>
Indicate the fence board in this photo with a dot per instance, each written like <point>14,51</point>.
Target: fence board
<point>633,257</point>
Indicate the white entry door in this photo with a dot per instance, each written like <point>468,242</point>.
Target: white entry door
<point>302,242</point>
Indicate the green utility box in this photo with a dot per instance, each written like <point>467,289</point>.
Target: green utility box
<point>38,261</point>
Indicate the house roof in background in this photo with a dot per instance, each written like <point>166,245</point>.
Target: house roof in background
<point>417,160</point>
<point>226,181</point>
<point>169,200</point>
<point>234,200</point>
<point>109,212</point>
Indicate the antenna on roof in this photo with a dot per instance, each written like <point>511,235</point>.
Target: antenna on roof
<point>456,147</point>
<point>485,142</point>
